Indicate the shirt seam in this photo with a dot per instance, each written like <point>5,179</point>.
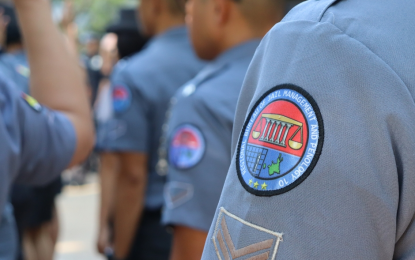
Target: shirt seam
<point>371,51</point>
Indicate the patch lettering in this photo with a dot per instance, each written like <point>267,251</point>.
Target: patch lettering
<point>281,141</point>
<point>258,243</point>
<point>187,147</point>
<point>121,98</point>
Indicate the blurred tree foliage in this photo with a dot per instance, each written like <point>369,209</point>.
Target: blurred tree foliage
<point>95,15</point>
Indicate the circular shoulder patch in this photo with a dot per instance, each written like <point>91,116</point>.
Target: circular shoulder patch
<point>121,98</point>
<point>187,147</point>
<point>280,142</point>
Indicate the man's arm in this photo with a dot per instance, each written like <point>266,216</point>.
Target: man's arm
<point>129,141</point>
<point>129,200</point>
<point>56,79</point>
<point>348,186</point>
<point>185,236</point>
<point>108,176</point>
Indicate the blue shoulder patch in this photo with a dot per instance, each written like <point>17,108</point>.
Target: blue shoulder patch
<point>187,147</point>
<point>121,98</point>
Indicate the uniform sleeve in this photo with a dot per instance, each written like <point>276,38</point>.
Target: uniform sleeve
<point>199,158</point>
<point>356,200</point>
<point>103,117</point>
<point>128,131</point>
<point>38,143</point>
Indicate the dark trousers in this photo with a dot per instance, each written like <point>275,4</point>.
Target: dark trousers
<point>152,241</point>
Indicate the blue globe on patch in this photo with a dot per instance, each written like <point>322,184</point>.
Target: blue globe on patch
<point>187,147</point>
<point>121,98</point>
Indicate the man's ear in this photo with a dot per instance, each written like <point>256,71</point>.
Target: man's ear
<point>189,11</point>
<point>222,10</point>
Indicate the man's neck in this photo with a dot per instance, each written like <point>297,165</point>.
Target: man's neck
<point>230,41</point>
<point>241,34</point>
<point>168,22</point>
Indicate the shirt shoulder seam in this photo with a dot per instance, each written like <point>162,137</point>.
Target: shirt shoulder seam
<point>371,51</point>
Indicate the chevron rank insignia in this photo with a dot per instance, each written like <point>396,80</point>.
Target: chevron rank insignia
<point>257,243</point>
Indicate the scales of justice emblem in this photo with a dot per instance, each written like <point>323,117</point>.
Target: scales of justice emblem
<point>272,152</point>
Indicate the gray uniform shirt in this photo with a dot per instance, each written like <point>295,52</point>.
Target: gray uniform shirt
<point>141,93</point>
<point>340,184</point>
<point>107,128</point>
<point>15,67</point>
<point>200,131</point>
<point>37,143</point>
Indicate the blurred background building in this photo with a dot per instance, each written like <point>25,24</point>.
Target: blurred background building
<point>92,15</point>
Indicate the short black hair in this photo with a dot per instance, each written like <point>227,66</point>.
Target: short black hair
<point>13,34</point>
<point>130,43</point>
<point>130,40</point>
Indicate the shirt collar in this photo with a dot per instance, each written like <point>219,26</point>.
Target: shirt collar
<point>241,51</point>
<point>179,31</point>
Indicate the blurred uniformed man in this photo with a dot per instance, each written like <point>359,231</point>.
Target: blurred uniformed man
<point>129,41</point>
<point>142,88</point>
<point>38,142</point>
<point>324,139</point>
<point>227,33</point>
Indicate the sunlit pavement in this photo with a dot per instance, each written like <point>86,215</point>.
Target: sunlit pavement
<point>78,208</point>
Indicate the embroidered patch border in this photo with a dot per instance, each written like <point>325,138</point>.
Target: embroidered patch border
<point>198,154</point>
<point>236,253</point>
<point>297,173</point>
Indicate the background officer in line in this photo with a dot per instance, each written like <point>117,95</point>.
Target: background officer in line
<point>339,76</point>
<point>128,41</point>
<point>38,143</point>
<point>227,33</point>
<point>141,93</point>
<point>108,162</point>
